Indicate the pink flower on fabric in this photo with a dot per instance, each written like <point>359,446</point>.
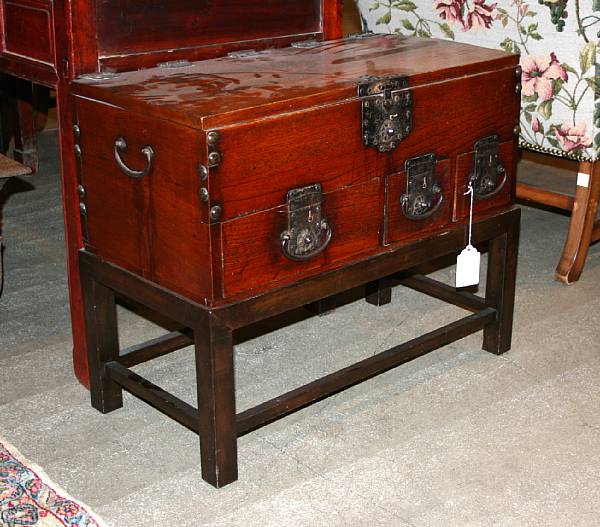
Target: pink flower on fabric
<point>538,74</point>
<point>535,125</point>
<point>480,16</point>
<point>450,10</point>
<point>573,137</point>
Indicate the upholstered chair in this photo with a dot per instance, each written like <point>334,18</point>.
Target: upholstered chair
<point>560,112</point>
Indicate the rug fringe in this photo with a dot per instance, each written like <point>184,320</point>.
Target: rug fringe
<point>14,452</point>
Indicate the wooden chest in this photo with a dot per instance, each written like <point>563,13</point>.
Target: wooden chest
<point>228,177</point>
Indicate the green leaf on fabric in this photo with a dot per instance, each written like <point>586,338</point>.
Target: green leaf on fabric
<point>406,24</point>
<point>447,31</point>
<point>587,56</point>
<point>553,142</point>
<point>557,85</point>
<point>374,7</point>
<point>597,141</point>
<point>528,117</point>
<point>385,18</point>
<point>423,33</point>
<point>529,108</point>
<point>405,5</point>
<point>529,98</point>
<point>593,83</point>
<point>535,36</point>
<point>545,109</point>
<point>568,68</point>
<point>596,5</point>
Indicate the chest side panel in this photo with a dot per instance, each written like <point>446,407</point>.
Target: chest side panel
<point>139,191</point>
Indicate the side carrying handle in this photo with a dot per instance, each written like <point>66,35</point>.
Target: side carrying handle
<point>308,234</point>
<point>147,151</point>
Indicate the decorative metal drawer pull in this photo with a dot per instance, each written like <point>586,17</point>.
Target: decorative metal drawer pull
<point>308,234</point>
<point>386,111</point>
<point>423,193</point>
<point>147,151</point>
<point>488,176</point>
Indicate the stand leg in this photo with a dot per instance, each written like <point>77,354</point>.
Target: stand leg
<point>500,289</point>
<point>103,343</point>
<point>583,216</point>
<point>378,292</point>
<point>216,402</point>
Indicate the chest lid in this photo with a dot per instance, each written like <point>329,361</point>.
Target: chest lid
<point>254,84</point>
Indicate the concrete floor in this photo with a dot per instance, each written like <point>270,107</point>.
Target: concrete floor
<point>458,437</point>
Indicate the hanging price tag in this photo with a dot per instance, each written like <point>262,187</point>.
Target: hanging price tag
<point>467,262</point>
<point>467,267</point>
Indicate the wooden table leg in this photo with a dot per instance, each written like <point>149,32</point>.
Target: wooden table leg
<point>73,237</point>
<point>581,227</point>
<point>26,151</point>
<point>103,343</point>
<point>500,288</point>
<point>378,292</point>
<point>216,402</point>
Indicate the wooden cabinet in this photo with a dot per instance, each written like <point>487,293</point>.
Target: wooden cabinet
<point>51,42</point>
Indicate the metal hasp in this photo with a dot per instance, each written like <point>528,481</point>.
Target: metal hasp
<point>386,111</point>
<point>423,193</point>
<point>308,233</point>
<point>488,176</point>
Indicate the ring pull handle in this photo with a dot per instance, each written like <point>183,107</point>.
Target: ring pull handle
<point>147,151</point>
<point>421,207</point>
<point>489,175</point>
<point>305,246</point>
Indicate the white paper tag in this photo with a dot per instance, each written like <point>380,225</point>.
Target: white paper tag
<point>467,267</point>
<point>583,179</point>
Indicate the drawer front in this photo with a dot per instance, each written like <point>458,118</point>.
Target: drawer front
<point>149,223</point>
<point>28,29</point>
<point>419,201</point>
<point>253,255</point>
<point>499,195</point>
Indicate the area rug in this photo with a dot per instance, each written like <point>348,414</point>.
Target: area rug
<point>28,497</point>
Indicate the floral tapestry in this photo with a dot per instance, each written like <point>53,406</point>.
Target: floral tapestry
<point>557,40</point>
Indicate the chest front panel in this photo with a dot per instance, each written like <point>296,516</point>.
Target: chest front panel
<point>229,208</point>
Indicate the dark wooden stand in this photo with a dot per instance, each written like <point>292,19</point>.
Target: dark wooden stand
<point>210,330</point>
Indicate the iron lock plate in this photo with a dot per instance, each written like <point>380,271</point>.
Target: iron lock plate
<point>386,105</point>
<point>423,195</point>
<point>307,233</point>
<point>488,176</point>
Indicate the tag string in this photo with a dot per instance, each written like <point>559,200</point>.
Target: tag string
<point>470,191</point>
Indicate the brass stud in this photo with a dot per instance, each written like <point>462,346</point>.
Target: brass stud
<point>76,131</point>
<point>77,150</point>
<point>203,169</point>
<point>80,191</point>
<point>212,138</point>
<point>215,213</point>
<point>214,158</point>
<point>517,130</point>
<point>204,194</point>
<point>82,209</point>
